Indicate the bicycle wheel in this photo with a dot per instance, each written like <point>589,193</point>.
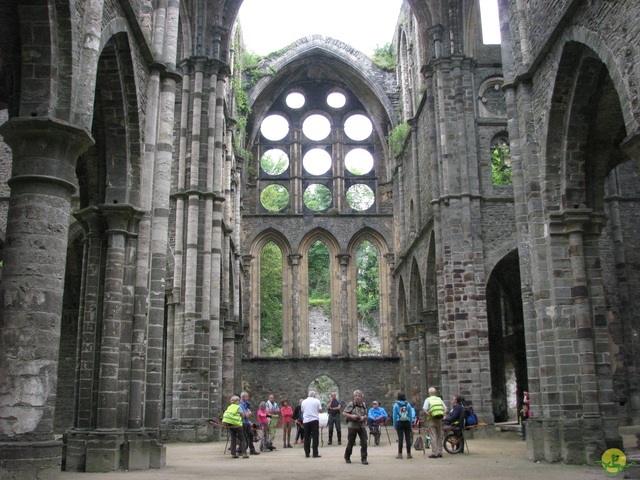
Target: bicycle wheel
<point>453,443</point>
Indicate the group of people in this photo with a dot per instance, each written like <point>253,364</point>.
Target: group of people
<point>307,416</point>
<point>237,418</point>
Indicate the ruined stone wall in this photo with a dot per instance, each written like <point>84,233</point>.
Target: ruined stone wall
<point>290,378</point>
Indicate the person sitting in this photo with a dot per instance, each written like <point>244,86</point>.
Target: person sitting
<point>454,417</point>
<point>377,415</point>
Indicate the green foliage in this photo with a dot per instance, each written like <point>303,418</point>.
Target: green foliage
<point>360,197</point>
<point>274,198</point>
<point>384,58</point>
<point>501,165</point>
<point>274,165</point>
<point>271,298</point>
<point>319,276</point>
<point>397,138</point>
<point>368,284</point>
<point>317,197</point>
<point>324,386</point>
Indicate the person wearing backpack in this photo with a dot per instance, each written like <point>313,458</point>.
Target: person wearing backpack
<point>403,416</point>
<point>435,409</point>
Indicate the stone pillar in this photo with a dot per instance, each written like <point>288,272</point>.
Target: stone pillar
<point>118,218</point>
<point>228,361</point>
<point>294,262</point>
<point>346,328</point>
<point>44,157</point>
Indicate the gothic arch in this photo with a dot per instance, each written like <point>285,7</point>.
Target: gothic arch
<point>586,129</point>
<point>384,273</point>
<point>320,234</point>
<point>264,237</point>
<point>332,56</point>
<point>507,347</point>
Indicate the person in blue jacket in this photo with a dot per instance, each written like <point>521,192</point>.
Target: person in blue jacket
<point>377,414</point>
<point>403,417</point>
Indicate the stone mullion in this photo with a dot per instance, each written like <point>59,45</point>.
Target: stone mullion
<point>295,168</point>
<point>338,168</point>
<point>294,263</point>
<point>43,176</point>
<point>90,318</point>
<point>386,263</point>
<point>342,337</point>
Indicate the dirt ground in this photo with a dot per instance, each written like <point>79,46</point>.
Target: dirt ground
<point>486,457</point>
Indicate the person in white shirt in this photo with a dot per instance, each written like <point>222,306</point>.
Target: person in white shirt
<point>311,408</point>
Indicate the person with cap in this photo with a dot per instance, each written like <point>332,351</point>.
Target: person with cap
<point>377,414</point>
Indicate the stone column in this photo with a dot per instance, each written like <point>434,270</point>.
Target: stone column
<point>346,329</point>
<point>294,262</point>
<point>228,361</point>
<point>44,157</point>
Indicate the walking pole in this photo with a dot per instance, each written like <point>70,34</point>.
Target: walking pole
<point>387,430</point>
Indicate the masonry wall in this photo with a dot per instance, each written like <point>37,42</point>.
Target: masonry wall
<point>291,377</point>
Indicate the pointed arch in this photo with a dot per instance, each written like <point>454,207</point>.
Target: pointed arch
<point>384,272</point>
<point>322,235</point>
<point>280,240</point>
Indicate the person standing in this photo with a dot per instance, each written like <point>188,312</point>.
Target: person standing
<point>311,408</point>
<point>356,415</point>
<point>524,414</point>
<point>287,423</point>
<point>263,420</point>
<point>245,406</point>
<point>297,417</point>
<point>232,418</point>
<point>333,408</point>
<point>435,409</point>
<point>274,412</point>
<point>403,417</point>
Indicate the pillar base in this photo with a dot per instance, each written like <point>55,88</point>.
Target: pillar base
<point>30,460</point>
<point>571,441</point>
<point>188,430</point>
<point>96,451</point>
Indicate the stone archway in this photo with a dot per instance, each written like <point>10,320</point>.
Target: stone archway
<point>506,338</point>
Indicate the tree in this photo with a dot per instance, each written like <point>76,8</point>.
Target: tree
<point>271,299</point>
<point>501,164</point>
<point>368,284</point>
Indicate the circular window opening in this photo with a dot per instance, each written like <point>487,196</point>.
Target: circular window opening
<point>358,161</point>
<point>316,161</point>
<point>360,197</point>
<point>336,100</point>
<point>358,127</point>
<point>295,100</point>
<point>274,162</point>
<point>317,197</point>
<point>316,127</point>
<point>274,197</point>
<point>274,127</point>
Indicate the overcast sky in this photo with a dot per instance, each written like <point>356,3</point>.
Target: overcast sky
<point>269,25</point>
